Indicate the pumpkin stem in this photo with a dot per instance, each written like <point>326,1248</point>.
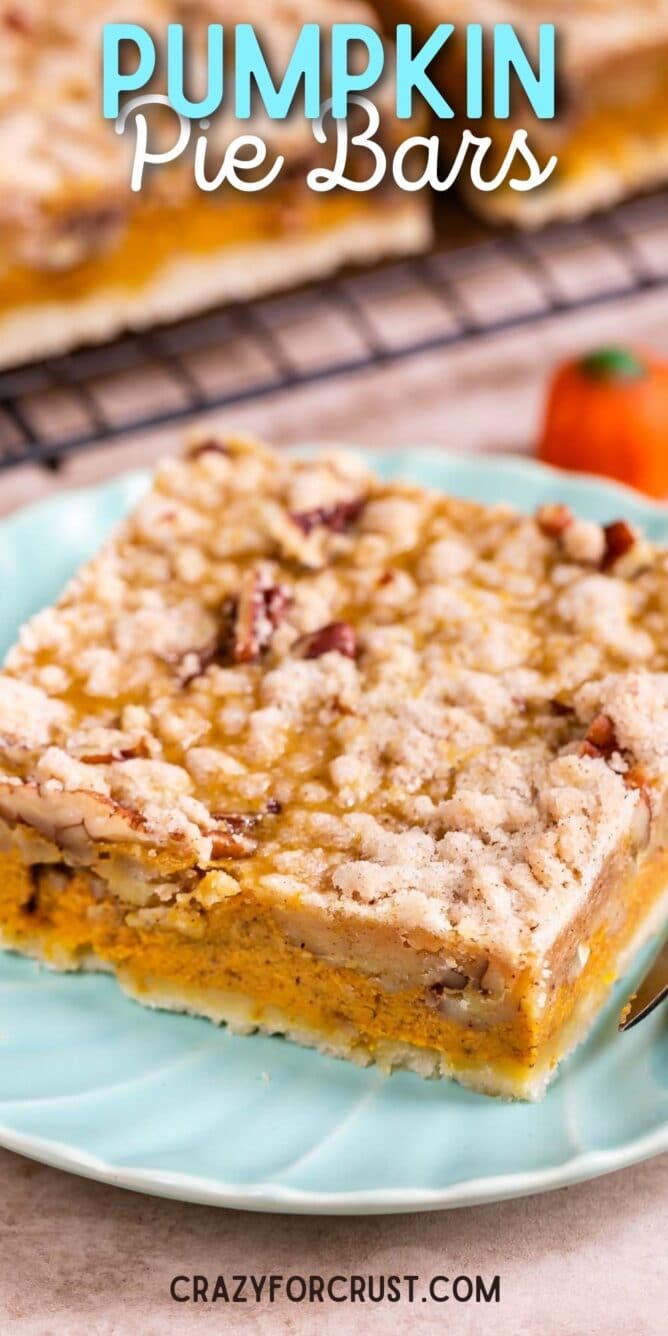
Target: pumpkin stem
<point>613,364</point>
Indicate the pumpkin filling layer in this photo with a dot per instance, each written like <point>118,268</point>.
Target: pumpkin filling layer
<point>610,134</point>
<point>372,766</point>
<point>235,964</point>
<point>158,235</point>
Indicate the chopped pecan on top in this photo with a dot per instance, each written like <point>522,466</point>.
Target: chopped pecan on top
<point>337,517</point>
<point>560,708</point>
<point>195,663</point>
<point>255,614</point>
<point>239,823</point>
<point>601,739</point>
<point>232,837</point>
<point>338,637</point>
<point>15,20</point>
<point>73,819</point>
<point>210,446</point>
<point>553,519</point>
<point>138,750</point>
<point>619,539</point>
<point>229,840</point>
<point>248,624</point>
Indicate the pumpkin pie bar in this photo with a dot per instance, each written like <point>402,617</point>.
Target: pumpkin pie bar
<point>610,132</point>
<point>82,257</point>
<point>370,766</point>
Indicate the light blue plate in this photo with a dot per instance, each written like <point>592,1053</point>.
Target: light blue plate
<point>91,1082</point>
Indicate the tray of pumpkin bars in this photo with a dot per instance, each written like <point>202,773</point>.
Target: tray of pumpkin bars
<point>83,258</point>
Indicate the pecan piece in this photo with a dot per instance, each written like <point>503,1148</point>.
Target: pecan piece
<point>239,823</point>
<point>601,739</point>
<point>210,446</point>
<point>337,517</point>
<point>257,612</point>
<point>553,519</point>
<point>231,837</point>
<point>339,637</point>
<point>225,844</point>
<point>195,663</point>
<point>619,539</point>
<point>74,819</point>
<point>560,709</point>
<point>16,21</point>
<point>138,750</point>
<point>602,733</point>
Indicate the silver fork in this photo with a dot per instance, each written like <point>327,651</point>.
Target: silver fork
<point>650,993</point>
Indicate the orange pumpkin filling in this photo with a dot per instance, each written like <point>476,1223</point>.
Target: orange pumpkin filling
<point>158,234</point>
<point>236,964</point>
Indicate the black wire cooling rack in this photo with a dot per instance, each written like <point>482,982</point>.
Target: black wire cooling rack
<point>348,324</point>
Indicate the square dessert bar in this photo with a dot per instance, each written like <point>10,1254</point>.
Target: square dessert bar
<point>370,766</point>
<point>83,257</point>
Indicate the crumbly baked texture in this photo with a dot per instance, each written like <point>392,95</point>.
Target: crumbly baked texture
<point>82,256</point>
<point>410,749</point>
<point>611,128</point>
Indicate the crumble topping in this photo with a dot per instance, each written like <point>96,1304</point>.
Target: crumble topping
<point>446,715</point>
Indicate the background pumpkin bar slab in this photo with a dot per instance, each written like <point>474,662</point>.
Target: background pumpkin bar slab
<point>368,765</point>
<point>82,257</point>
<point>611,128</point>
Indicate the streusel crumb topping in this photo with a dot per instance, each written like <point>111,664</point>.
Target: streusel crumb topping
<point>339,689</point>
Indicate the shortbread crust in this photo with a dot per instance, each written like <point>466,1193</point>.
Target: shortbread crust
<point>365,764</point>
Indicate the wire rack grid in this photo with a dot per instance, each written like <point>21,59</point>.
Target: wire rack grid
<point>351,323</point>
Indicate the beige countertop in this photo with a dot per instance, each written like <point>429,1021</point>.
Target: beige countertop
<point>78,1257</point>
<point>83,1259</point>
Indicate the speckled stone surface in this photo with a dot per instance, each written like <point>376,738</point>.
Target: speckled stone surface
<point>82,1259</point>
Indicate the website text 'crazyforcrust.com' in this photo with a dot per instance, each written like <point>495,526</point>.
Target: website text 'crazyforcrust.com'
<point>244,1289</point>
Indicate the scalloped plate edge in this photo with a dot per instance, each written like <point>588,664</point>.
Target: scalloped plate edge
<point>298,1201</point>
<point>132,483</point>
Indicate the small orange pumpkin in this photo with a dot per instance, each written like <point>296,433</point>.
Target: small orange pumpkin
<point>608,413</point>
